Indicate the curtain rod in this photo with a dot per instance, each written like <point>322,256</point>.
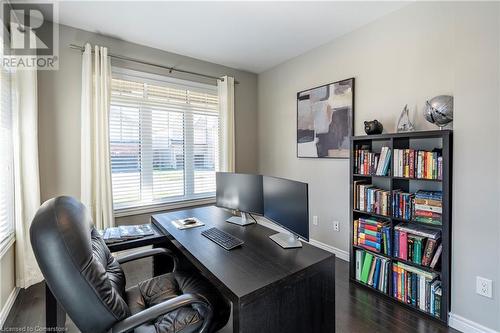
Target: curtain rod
<point>170,69</point>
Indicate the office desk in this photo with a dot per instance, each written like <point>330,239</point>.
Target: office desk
<point>272,289</point>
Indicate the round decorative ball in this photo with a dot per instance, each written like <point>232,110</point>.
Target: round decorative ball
<point>373,127</point>
<point>439,110</point>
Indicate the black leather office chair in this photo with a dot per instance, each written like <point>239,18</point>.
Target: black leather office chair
<point>90,284</point>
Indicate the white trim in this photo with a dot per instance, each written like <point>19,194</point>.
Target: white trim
<point>8,306</point>
<point>161,207</point>
<point>341,254</point>
<point>467,326</point>
<point>125,73</point>
<point>6,244</point>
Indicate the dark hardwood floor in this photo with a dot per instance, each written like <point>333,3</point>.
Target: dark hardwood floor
<point>357,309</point>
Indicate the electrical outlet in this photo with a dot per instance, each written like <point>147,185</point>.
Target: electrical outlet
<point>315,220</point>
<point>336,225</point>
<point>484,287</point>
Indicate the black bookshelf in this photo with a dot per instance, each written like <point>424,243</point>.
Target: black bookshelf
<point>417,140</point>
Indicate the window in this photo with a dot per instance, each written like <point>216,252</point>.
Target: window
<point>6,157</point>
<point>164,137</point>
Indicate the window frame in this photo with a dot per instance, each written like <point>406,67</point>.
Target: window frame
<point>8,239</point>
<point>179,201</point>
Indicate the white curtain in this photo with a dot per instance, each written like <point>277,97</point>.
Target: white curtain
<point>225,89</point>
<point>26,173</point>
<point>95,169</point>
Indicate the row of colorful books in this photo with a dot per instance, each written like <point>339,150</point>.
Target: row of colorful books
<point>368,163</point>
<point>422,206</point>
<point>417,244</point>
<point>402,205</point>
<point>373,270</point>
<point>371,199</point>
<point>411,163</point>
<point>428,207</point>
<point>416,287</point>
<point>373,235</point>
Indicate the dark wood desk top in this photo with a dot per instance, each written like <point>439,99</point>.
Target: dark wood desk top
<point>258,264</point>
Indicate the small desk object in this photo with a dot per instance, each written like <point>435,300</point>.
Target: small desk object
<point>271,289</point>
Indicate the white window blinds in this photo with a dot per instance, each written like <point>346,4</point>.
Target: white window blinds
<point>6,157</point>
<point>163,139</point>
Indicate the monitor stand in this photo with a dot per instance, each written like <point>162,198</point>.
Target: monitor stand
<point>286,240</point>
<point>242,220</point>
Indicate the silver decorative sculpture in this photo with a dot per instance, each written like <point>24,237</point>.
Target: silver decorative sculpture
<point>439,110</point>
<point>404,123</point>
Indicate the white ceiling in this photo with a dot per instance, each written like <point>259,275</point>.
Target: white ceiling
<point>252,36</point>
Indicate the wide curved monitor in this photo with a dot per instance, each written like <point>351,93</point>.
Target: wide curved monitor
<point>286,203</point>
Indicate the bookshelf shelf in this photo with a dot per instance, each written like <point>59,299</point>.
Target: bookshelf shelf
<point>411,263</point>
<point>371,214</point>
<point>394,299</point>
<point>430,225</point>
<point>369,176</point>
<point>424,141</point>
<point>371,288</point>
<point>372,252</point>
<point>418,179</point>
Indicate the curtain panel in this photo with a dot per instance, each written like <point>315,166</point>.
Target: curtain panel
<point>26,173</point>
<point>95,157</point>
<point>225,89</point>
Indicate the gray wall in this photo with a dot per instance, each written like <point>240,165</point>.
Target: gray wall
<point>59,107</point>
<point>422,50</point>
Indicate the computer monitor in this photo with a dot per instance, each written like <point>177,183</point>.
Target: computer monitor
<point>242,192</point>
<point>286,203</point>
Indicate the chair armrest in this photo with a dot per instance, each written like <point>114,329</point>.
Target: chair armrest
<point>148,253</point>
<point>155,311</point>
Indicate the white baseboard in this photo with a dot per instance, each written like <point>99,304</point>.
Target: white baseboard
<point>8,306</point>
<point>341,254</point>
<point>467,326</point>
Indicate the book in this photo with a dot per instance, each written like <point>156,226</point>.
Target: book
<point>376,274</point>
<point>372,271</point>
<point>371,199</point>
<point>411,163</point>
<point>430,246</point>
<point>127,232</point>
<point>402,205</point>
<point>436,257</point>
<point>417,288</point>
<point>419,230</point>
<point>359,263</point>
<point>135,231</point>
<point>371,163</point>
<point>369,234</point>
<point>417,249</point>
<point>367,264</point>
<point>403,245</point>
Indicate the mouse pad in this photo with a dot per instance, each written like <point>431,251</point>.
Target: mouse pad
<point>179,225</point>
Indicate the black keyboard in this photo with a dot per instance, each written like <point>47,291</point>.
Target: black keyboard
<point>222,238</point>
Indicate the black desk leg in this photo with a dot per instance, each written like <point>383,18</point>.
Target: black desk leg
<point>161,264</point>
<point>55,317</point>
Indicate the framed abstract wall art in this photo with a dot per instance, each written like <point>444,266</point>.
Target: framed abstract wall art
<point>325,118</point>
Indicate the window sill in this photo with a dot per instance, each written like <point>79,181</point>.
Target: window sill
<point>6,244</point>
<point>162,207</point>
